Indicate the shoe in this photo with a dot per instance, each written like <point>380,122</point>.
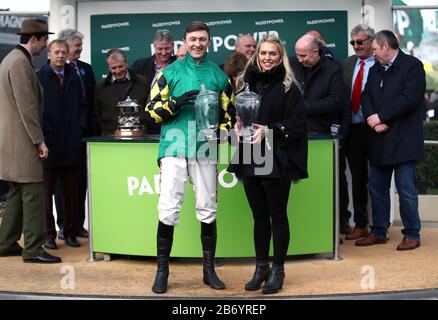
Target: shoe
<point>72,242</point>
<point>408,244</point>
<point>357,233</point>
<point>275,280</point>
<point>43,258</point>
<point>50,244</point>
<point>14,252</point>
<point>370,240</point>
<point>344,229</point>
<point>260,275</point>
<point>61,234</point>
<point>83,233</point>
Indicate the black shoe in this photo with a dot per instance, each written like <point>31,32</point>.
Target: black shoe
<point>275,280</point>
<point>61,234</point>
<point>83,233</point>
<point>72,242</point>
<point>260,275</point>
<point>50,244</point>
<point>13,252</point>
<point>43,258</point>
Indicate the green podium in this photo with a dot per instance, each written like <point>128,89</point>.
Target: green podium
<point>123,196</point>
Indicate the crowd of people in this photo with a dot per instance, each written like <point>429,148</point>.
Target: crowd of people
<point>373,100</point>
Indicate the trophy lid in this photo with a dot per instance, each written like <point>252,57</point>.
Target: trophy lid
<point>247,95</point>
<point>127,103</point>
<point>205,92</point>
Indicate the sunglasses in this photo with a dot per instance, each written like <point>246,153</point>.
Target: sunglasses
<point>358,42</point>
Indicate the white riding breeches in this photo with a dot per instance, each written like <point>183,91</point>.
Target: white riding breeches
<point>173,177</point>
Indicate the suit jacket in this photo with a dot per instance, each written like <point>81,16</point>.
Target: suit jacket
<point>396,95</point>
<point>146,67</point>
<point>21,110</point>
<point>64,117</point>
<point>106,100</point>
<point>324,93</point>
<point>89,82</point>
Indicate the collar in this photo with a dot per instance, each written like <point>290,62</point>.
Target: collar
<point>194,62</point>
<point>56,71</point>
<point>127,77</point>
<point>25,51</point>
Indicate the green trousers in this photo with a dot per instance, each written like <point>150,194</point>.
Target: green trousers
<point>24,213</point>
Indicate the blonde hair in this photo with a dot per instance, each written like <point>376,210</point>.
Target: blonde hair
<point>289,77</point>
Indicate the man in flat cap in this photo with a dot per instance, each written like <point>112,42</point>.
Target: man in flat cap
<point>22,148</point>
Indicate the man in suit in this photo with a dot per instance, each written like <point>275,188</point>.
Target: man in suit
<point>392,103</point>
<point>64,120</point>
<point>152,66</point>
<point>88,83</point>
<point>120,83</point>
<point>22,147</point>
<point>357,144</point>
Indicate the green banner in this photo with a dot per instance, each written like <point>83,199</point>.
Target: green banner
<point>134,32</point>
<point>124,197</point>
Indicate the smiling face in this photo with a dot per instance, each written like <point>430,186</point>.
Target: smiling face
<point>163,51</point>
<point>118,66</point>
<point>361,43</point>
<point>269,56</point>
<point>246,45</point>
<point>197,43</point>
<point>75,49</point>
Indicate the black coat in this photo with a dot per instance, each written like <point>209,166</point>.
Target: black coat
<point>283,112</point>
<point>106,100</point>
<point>64,117</point>
<point>89,82</point>
<point>324,93</point>
<point>396,95</point>
<point>146,67</point>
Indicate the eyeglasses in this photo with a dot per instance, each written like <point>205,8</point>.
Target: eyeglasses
<point>358,42</point>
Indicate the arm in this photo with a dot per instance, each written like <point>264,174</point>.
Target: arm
<point>161,106</point>
<point>26,100</point>
<point>411,96</point>
<point>332,101</point>
<point>227,110</point>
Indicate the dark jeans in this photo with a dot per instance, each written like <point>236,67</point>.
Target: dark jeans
<point>357,151</point>
<point>268,201</point>
<point>405,181</point>
<point>4,188</point>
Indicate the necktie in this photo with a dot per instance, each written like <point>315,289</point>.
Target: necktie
<point>357,89</point>
<point>61,82</point>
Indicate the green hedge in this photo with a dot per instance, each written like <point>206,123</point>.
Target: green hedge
<point>427,170</point>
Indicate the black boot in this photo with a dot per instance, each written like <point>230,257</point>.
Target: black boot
<point>260,275</point>
<point>163,252</point>
<point>275,279</point>
<point>208,239</point>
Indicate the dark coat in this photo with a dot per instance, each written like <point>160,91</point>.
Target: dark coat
<point>396,95</point>
<point>106,100</point>
<point>283,112</point>
<point>324,93</point>
<point>64,117</point>
<point>89,82</point>
<point>146,67</point>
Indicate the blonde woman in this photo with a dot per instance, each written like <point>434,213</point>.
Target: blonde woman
<point>281,115</point>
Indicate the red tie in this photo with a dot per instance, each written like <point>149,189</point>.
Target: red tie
<point>59,75</point>
<point>357,89</point>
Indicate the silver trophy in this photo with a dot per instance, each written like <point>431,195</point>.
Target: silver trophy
<point>247,106</point>
<point>128,119</point>
<point>206,106</point>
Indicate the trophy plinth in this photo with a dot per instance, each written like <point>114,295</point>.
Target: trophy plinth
<point>247,106</point>
<point>206,106</point>
<point>128,120</point>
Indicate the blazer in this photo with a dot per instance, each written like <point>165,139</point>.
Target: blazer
<point>396,95</point>
<point>21,109</point>
<point>146,67</point>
